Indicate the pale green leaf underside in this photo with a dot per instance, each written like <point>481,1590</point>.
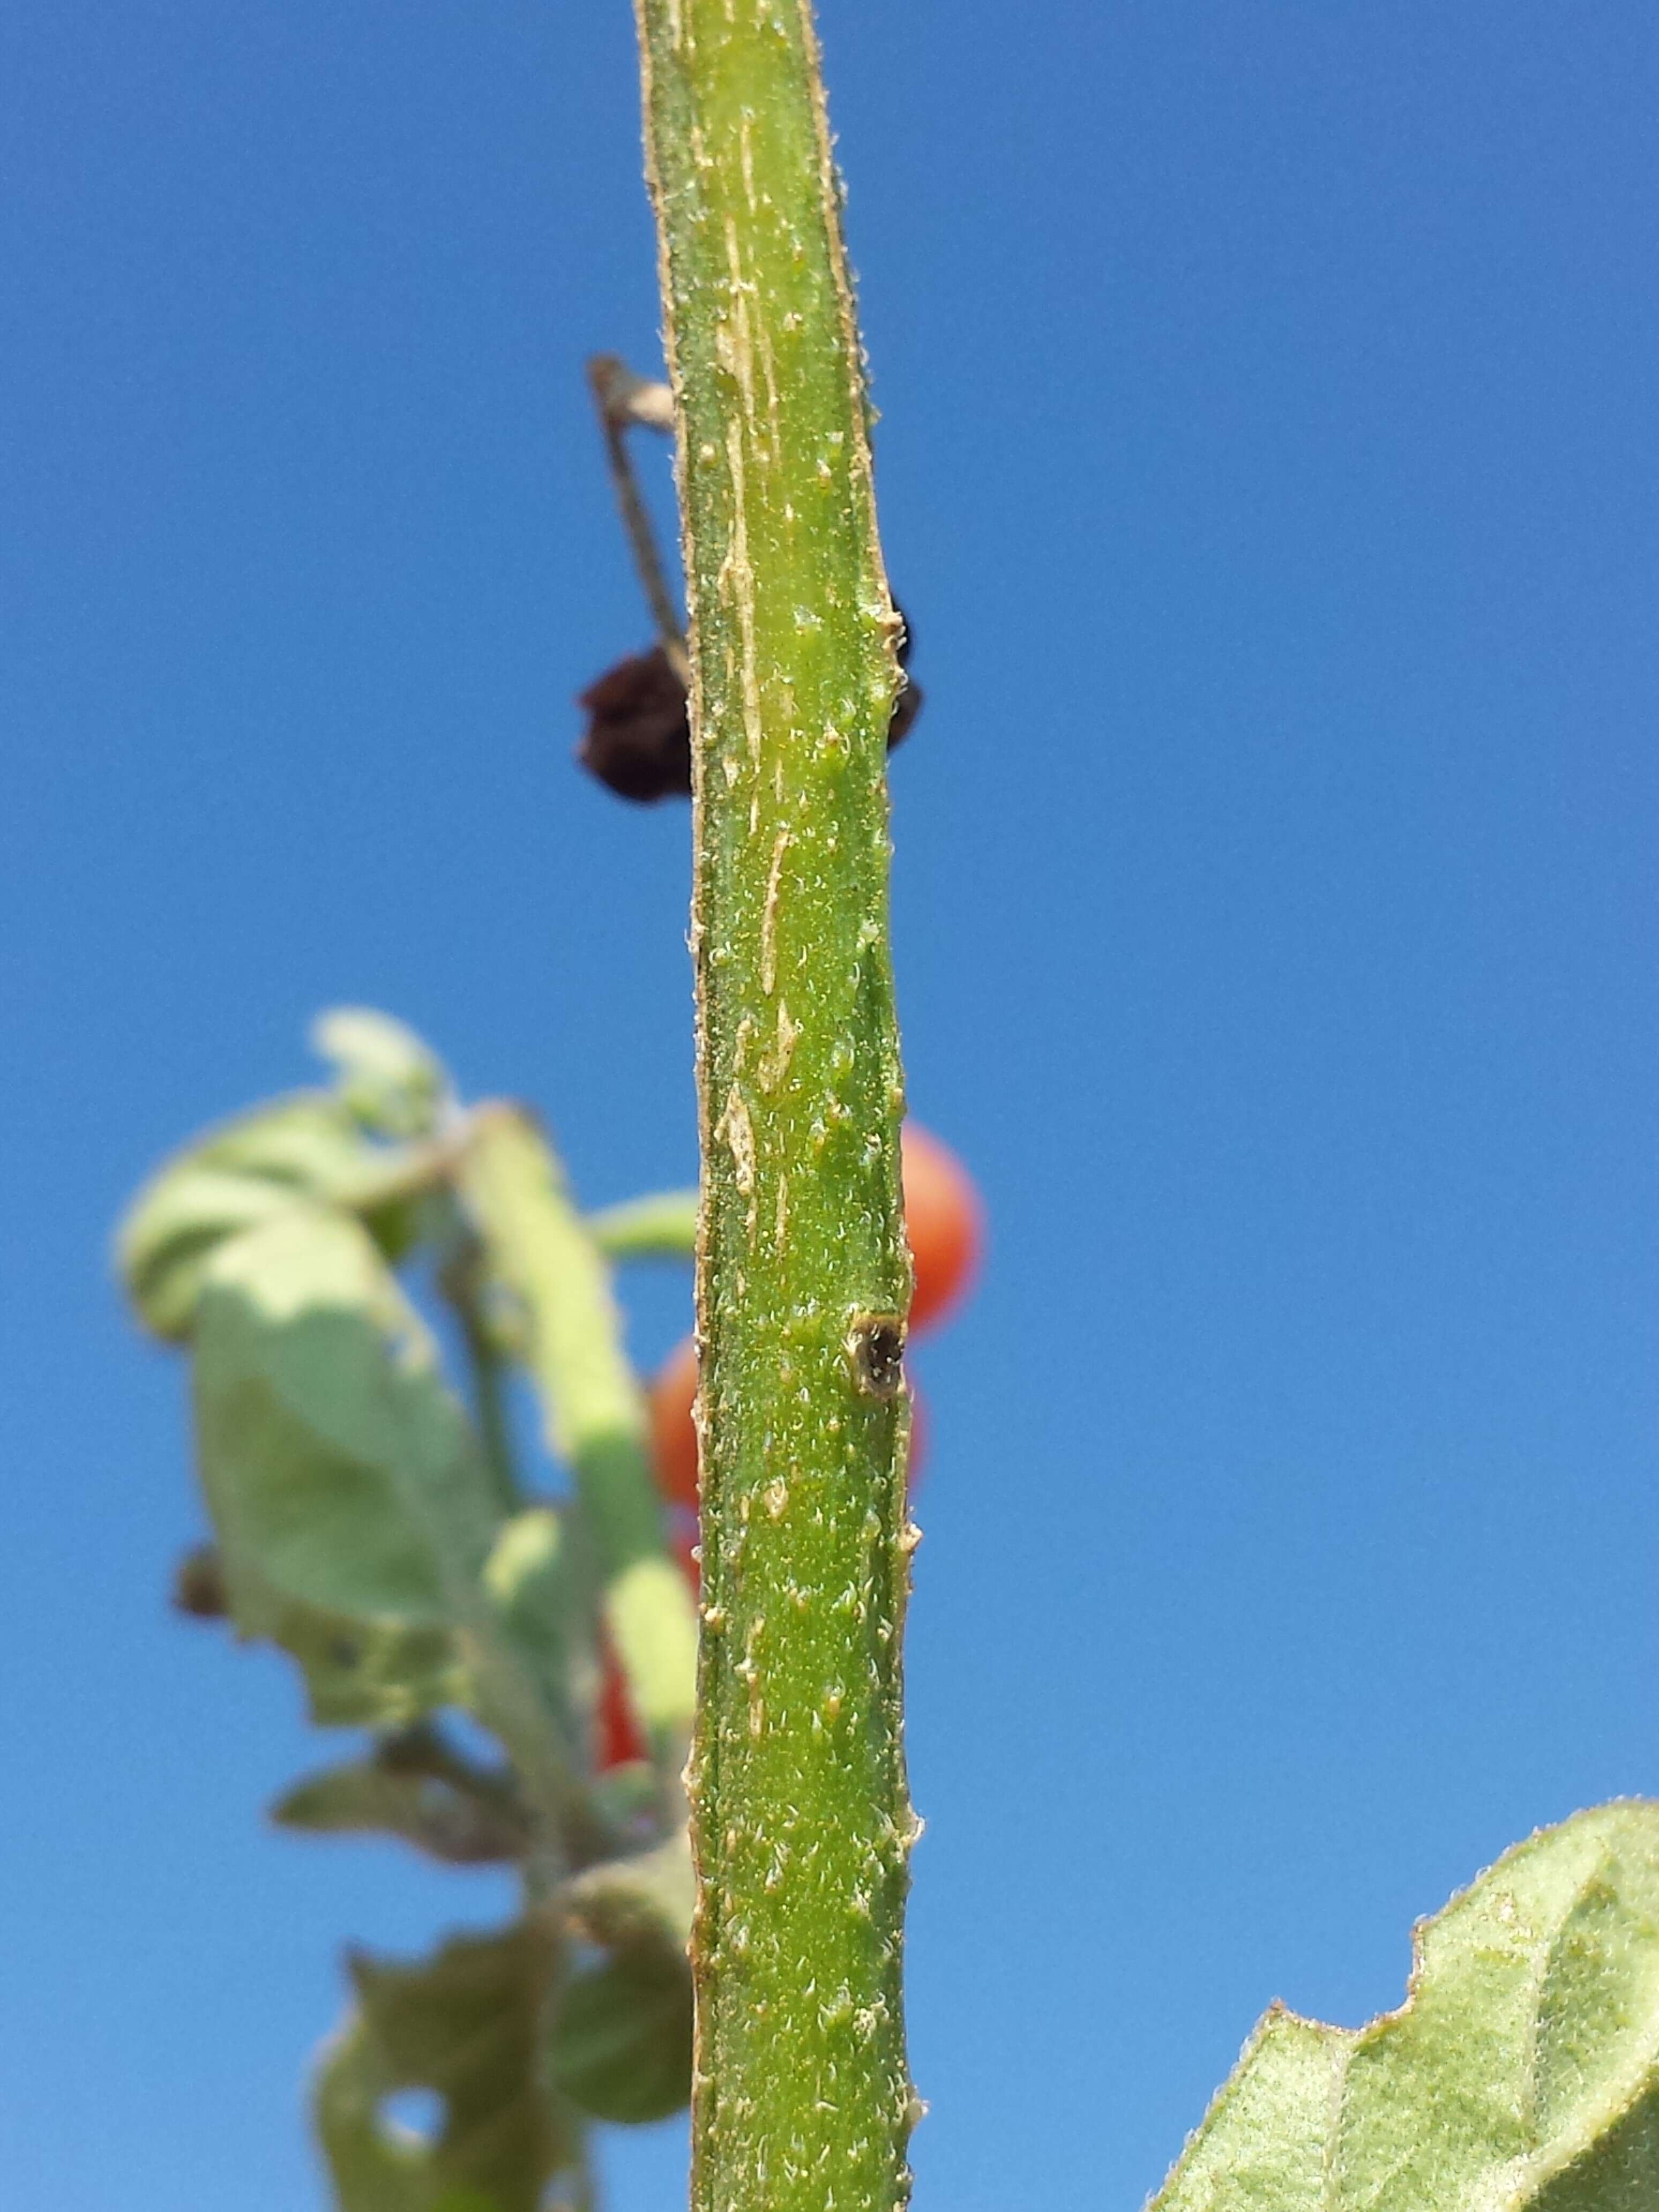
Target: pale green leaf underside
<point>375,1796</point>
<point>356,1522</point>
<point>335,1461</point>
<point>335,1465</point>
<point>622,2043</point>
<point>360,1673</point>
<point>247,1171</point>
<point>389,1077</point>
<point>1522,2074</point>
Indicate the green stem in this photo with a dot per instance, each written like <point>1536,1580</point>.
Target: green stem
<point>595,1420</point>
<point>461,1281</point>
<point>801,1818</point>
<point>662,1225</point>
<point>488,1375</point>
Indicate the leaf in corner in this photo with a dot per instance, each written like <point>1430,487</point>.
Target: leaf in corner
<point>466,2023</point>
<point>1522,2074</point>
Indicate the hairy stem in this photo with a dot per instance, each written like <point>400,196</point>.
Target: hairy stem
<point>801,1819</point>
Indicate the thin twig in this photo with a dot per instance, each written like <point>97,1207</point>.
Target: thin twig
<point>625,399</point>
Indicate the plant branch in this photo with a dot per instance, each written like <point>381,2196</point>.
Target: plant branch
<point>801,1819</point>
<point>617,393</point>
<point>461,1282</point>
<point>662,1225</point>
<point>540,1248</point>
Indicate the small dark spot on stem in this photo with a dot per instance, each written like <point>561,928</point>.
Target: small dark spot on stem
<point>875,1348</point>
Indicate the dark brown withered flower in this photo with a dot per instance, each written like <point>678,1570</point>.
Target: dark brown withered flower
<point>638,738</point>
<point>199,1584</point>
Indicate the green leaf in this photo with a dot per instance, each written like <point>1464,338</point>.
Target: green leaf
<point>357,1674</point>
<point>534,1593</point>
<point>351,1503</point>
<point>622,2039</point>
<point>414,1788</point>
<point>1522,2074</point>
<point>374,2168</point>
<point>337,1465</point>
<point>246,1173</point>
<point>469,2024</point>
<point>364,1673</point>
<point>646,1899</point>
<point>348,1500</point>
<point>390,1078</point>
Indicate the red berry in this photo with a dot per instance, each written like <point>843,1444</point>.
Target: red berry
<point>945,1224</point>
<point>620,1741</point>
<point>673,1431</point>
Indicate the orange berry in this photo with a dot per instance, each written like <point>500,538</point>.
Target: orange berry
<point>946,1222</point>
<point>673,1431</point>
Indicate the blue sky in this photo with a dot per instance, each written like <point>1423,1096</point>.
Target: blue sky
<point>1268,464</point>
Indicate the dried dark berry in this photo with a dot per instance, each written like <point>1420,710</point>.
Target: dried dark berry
<point>908,705</point>
<point>638,738</point>
<point>198,1585</point>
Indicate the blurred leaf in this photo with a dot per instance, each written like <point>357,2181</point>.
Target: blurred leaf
<point>374,2168</point>
<point>351,1499</point>
<point>338,1467</point>
<point>1522,2074</point>
<point>357,1674</point>
<point>622,2039</point>
<point>364,1673</point>
<point>414,1788</point>
<point>467,2023</point>
<point>248,1172</point>
<point>532,1585</point>
<point>390,1078</point>
<point>646,1899</point>
<point>345,1489</point>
